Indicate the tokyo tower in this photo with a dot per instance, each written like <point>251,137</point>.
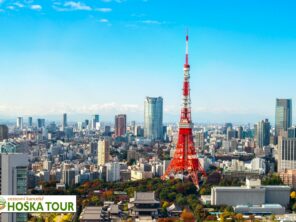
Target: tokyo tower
<point>185,159</point>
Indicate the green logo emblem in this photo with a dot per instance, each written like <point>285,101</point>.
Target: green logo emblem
<point>2,203</point>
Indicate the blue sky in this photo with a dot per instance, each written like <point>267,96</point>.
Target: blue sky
<point>105,56</point>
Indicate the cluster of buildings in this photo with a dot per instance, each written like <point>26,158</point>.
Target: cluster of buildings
<point>71,153</point>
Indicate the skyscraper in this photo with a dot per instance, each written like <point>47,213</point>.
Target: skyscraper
<point>13,171</point>
<point>3,132</point>
<point>103,151</point>
<point>30,121</point>
<point>263,133</point>
<point>19,122</point>
<point>40,123</point>
<point>240,132</point>
<point>64,121</point>
<point>94,121</point>
<point>120,125</point>
<point>283,116</point>
<point>153,112</point>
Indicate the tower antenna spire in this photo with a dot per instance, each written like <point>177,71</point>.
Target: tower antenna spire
<point>187,39</point>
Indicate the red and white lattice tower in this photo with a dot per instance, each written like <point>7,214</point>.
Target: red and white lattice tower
<point>185,159</point>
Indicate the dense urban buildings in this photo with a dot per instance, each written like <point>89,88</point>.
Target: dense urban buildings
<point>150,170</point>
<point>153,117</point>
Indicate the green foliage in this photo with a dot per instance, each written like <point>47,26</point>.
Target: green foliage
<point>233,182</point>
<point>182,193</point>
<point>294,207</point>
<point>272,179</point>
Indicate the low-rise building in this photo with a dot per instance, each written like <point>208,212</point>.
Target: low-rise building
<point>260,209</point>
<point>137,174</point>
<point>252,194</point>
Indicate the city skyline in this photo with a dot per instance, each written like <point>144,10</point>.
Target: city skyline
<point>70,56</point>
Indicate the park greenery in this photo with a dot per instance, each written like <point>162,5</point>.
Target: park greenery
<point>175,191</point>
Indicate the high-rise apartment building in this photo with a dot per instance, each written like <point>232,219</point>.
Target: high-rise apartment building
<point>200,139</point>
<point>3,132</point>
<point>103,151</point>
<point>112,171</point>
<point>283,116</point>
<point>120,125</point>
<point>19,122</point>
<point>153,112</point>
<point>286,153</point>
<point>263,133</point>
<point>68,176</point>
<point>13,174</point>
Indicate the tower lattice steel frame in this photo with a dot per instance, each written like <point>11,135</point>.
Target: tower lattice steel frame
<point>185,160</point>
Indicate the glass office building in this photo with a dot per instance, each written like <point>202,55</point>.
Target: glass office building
<point>153,112</point>
<point>283,116</point>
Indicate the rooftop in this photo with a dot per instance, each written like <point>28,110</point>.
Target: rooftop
<point>145,197</point>
<point>91,213</point>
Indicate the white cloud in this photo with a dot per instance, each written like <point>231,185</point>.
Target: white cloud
<point>117,1</point>
<point>106,108</point>
<point>18,4</point>
<point>36,7</point>
<point>104,20</point>
<point>103,9</point>
<point>77,6</point>
<point>139,15</point>
<point>152,22</point>
<point>11,7</point>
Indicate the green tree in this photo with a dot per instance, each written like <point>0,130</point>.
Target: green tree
<point>294,207</point>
